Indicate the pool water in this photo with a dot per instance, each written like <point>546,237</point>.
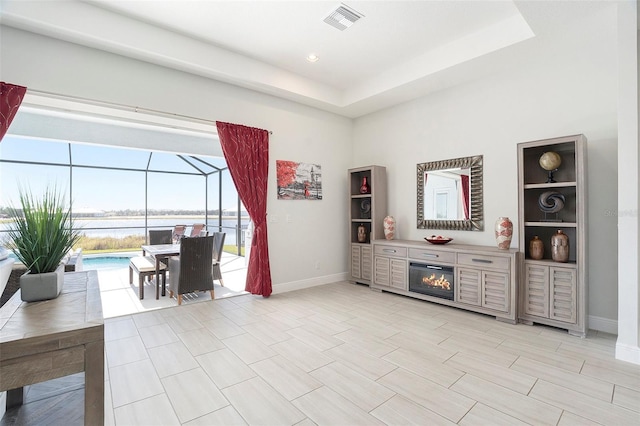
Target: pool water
<point>105,262</point>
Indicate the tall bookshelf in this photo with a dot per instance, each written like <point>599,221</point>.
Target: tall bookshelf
<point>554,292</point>
<point>366,210</point>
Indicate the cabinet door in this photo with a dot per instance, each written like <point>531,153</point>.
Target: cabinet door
<point>398,273</point>
<point>467,286</point>
<point>562,294</point>
<point>536,290</point>
<point>356,262</point>
<point>366,263</point>
<point>382,271</point>
<point>495,291</point>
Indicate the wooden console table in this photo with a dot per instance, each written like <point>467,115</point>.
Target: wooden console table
<point>41,341</point>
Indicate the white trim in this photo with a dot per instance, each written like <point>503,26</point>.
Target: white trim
<point>312,282</point>
<point>603,324</point>
<point>628,353</point>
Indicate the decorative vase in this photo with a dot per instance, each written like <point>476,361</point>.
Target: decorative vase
<point>389,227</point>
<point>536,248</point>
<point>365,188</point>
<point>560,247</point>
<point>504,232</point>
<point>35,287</point>
<point>362,234</point>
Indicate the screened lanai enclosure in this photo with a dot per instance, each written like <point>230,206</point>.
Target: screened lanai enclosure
<point>116,189</point>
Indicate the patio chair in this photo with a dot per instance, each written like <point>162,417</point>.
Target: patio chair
<point>160,236</point>
<point>178,233</point>
<point>218,246</point>
<point>192,270</point>
<point>196,228</point>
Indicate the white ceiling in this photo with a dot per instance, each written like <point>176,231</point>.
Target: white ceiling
<point>398,51</point>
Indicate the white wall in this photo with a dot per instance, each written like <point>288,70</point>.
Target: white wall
<point>317,228</point>
<point>628,344</point>
<point>563,85</point>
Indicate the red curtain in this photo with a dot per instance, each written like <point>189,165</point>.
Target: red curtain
<point>246,150</point>
<point>10,100</point>
<point>464,179</point>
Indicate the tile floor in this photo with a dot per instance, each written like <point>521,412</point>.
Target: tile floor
<point>342,354</point>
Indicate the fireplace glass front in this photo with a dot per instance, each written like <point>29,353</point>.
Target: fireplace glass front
<point>432,280</point>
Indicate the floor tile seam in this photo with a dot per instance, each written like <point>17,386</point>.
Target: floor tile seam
<point>610,381</point>
<point>637,407</point>
<point>111,366</point>
<point>586,396</point>
<point>629,369</point>
<point>577,388</point>
<point>494,366</point>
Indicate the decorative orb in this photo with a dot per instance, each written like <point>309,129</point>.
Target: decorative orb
<point>550,160</point>
<point>551,202</point>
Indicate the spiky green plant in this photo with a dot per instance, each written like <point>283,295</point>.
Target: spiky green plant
<point>42,232</point>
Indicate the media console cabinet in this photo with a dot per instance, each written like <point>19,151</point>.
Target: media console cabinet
<point>476,278</point>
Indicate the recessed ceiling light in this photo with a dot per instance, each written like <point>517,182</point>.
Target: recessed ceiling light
<point>312,58</point>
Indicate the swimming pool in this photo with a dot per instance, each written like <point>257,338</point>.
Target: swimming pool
<point>105,262</point>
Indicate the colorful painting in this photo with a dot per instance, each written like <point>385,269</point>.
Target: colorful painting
<point>298,181</point>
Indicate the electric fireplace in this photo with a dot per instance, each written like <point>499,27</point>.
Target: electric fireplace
<point>432,280</point>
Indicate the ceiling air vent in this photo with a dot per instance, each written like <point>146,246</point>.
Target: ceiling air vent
<point>343,17</point>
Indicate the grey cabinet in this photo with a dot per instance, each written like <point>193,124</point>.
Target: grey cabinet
<point>367,209</point>
<point>361,262</point>
<point>485,277</point>
<point>553,292</point>
<point>477,287</point>
<point>390,266</point>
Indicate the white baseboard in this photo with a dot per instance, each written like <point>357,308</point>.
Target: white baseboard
<point>603,324</point>
<point>628,353</point>
<point>312,282</point>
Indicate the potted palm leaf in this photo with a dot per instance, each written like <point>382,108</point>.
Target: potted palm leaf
<point>41,236</point>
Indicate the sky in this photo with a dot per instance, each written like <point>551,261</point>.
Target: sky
<point>100,189</point>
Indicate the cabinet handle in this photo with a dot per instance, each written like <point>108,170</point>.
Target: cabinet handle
<point>482,260</point>
<point>430,255</point>
<point>388,250</point>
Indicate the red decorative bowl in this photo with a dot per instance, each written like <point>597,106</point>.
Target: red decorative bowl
<point>433,240</point>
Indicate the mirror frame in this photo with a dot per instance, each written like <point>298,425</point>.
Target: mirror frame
<point>476,220</point>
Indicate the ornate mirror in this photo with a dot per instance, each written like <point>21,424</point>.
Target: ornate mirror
<point>450,194</point>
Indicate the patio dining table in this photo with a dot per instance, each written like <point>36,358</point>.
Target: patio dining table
<point>160,252</point>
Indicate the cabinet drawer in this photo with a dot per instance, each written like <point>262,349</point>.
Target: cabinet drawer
<point>393,251</point>
<point>436,256</point>
<point>483,261</point>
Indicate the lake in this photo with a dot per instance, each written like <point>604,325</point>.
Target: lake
<point>120,227</point>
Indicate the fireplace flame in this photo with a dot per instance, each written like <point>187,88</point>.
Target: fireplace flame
<point>441,282</point>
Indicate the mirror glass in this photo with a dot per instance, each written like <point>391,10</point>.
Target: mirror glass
<point>450,194</point>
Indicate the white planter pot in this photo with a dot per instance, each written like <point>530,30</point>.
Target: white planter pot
<point>35,287</point>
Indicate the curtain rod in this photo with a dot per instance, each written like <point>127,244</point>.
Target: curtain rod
<point>123,107</point>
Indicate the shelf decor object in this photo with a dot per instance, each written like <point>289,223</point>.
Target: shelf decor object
<point>550,161</point>
<point>362,234</point>
<point>503,232</point>
<point>552,179</point>
<point>551,202</point>
<point>536,248</point>
<point>389,227</point>
<point>367,209</point>
<point>560,247</point>
<point>365,188</point>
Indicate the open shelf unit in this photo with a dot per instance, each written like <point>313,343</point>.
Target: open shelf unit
<point>365,210</point>
<point>552,292</point>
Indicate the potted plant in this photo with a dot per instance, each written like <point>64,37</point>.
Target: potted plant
<point>41,236</point>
